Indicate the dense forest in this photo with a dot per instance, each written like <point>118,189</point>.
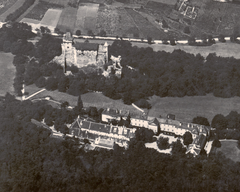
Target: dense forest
<point>33,161</point>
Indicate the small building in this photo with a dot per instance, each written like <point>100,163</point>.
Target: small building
<point>197,145</point>
<point>109,114</point>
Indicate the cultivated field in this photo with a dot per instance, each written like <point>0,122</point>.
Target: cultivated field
<point>146,28</point>
<point>51,18</point>
<point>67,19</point>
<point>57,2</point>
<point>87,17</point>
<point>169,2</point>
<point>115,21</point>
<point>186,108</point>
<point>230,150</point>
<point>7,73</point>
<point>5,5</point>
<point>40,9</point>
<point>11,9</point>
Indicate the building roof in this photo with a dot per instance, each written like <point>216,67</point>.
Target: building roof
<point>139,116</point>
<point>104,143</point>
<point>100,127</point>
<point>200,140</point>
<point>115,112</point>
<point>68,37</point>
<point>86,46</point>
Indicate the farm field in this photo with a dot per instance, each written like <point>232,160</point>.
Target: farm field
<point>230,150</point>
<point>115,21</point>
<point>11,9</point>
<point>169,2</point>
<point>146,28</point>
<point>186,108</point>
<point>40,9</point>
<point>51,18</point>
<point>7,73</point>
<point>67,19</point>
<point>57,2</point>
<point>87,17</point>
<point>5,5</point>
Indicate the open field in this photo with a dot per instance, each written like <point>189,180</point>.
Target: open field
<point>87,17</point>
<point>89,99</point>
<point>67,19</point>
<point>51,18</point>
<point>115,21</point>
<point>169,2</point>
<point>40,9</point>
<point>146,28</point>
<point>5,5</point>
<point>230,150</point>
<point>186,108</point>
<point>57,2</point>
<point>11,9</point>
<point>7,73</point>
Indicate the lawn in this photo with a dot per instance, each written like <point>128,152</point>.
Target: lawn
<point>67,19</point>
<point>186,108</point>
<point>57,2</point>
<point>89,99</point>
<point>40,9</point>
<point>7,73</point>
<point>230,150</point>
<point>11,9</point>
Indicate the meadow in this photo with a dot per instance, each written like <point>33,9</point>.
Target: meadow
<point>7,73</point>
<point>51,17</point>
<point>230,150</point>
<point>6,4</point>
<point>188,107</point>
<point>57,2</point>
<point>169,2</point>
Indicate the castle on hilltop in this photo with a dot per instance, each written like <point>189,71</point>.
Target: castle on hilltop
<point>82,54</point>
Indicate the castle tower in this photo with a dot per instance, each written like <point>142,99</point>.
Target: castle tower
<point>105,49</point>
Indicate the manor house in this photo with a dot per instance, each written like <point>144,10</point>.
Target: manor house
<point>82,54</point>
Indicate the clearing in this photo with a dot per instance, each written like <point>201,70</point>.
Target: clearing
<point>230,150</point>
<point>188,107</point>
<point>169,2</point>
<point>7,73</point>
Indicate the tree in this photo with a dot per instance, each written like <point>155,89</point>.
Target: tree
<point>149,39</point>
<point>41,82</point>
<point>216,143</point>
<point>164,24</point>
<point>90,32</point>
<point>143,103</point>
<point>64,104</point>
<point>221,38</point>
<point>78,32</point>
<point>178,148</point>
<point>163,143</point>
<point>201,121</point>
<point>79,104</point>
<point>102,33</point>
<point>186,30</point>
<point>128,120</point>
<point>145,135</point>
<point>51,84</point>
<point>187,138</point>
<point>219,122</point>
<point>238,143</point>
<point>172,41</point>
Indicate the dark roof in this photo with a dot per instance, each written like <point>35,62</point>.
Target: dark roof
<point>86,46</point>
<point>85,124</point>
<point>100,127</point>
<point>115,112</point>
<point>200,140</point>
<point>68,36</point>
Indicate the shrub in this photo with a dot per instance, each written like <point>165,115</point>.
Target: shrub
<point>163,143</point>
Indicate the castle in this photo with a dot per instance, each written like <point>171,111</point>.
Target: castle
<point>82,54</point>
